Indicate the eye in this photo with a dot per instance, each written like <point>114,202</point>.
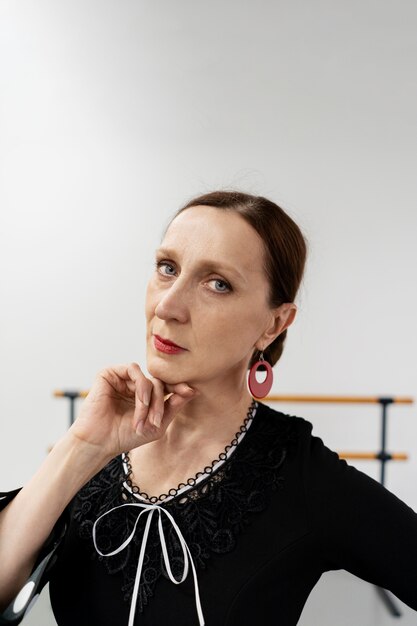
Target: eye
<point>159,264</point>
<point>219,280</point>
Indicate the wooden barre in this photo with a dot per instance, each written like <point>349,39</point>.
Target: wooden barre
<point>342,399</point>
<point>336,399</point>
<point>58,393</point>
<point>393,456</point>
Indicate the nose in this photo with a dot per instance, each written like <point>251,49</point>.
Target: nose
<point>172,303</point>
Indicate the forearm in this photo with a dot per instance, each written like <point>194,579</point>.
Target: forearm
<point>29,518</point>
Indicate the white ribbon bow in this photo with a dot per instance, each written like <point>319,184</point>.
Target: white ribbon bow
<point>150,508</point>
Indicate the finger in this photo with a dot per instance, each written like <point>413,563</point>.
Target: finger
<point>123,371</point>
<point>131,385</point>
<point>134,372</point>
<point>143,397</point>
<point>156,407</point>
<point>143,390</point>
<point>143,386</point>
<point>114,377</point>
<point>111,378</point>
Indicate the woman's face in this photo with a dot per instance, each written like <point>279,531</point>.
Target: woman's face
<point>209,296</point>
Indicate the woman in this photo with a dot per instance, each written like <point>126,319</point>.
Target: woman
<point>186,470</point>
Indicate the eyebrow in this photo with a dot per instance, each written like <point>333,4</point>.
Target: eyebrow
<point>207,264</point>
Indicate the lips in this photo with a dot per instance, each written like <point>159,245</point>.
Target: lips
<point>167,342</point>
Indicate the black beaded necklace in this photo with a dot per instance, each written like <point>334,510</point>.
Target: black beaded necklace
<point>191,481</point>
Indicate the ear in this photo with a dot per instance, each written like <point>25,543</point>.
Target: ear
<point>281,317</point>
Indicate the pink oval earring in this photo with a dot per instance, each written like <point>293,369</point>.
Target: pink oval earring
<point>257,389</point>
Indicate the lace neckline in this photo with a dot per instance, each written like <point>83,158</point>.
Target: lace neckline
<point>200,476</point>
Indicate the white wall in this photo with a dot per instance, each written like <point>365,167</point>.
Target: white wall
<point>114,112</point>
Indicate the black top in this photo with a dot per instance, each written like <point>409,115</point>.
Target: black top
<point>261,529</point>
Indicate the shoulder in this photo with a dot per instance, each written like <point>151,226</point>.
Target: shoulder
<point>309,457</point>
<point>330,484</point>
<point>298,429</point>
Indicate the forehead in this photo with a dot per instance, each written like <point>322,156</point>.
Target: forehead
<point>217,235</point>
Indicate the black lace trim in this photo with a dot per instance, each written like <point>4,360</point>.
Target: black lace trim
<point>211,515</point>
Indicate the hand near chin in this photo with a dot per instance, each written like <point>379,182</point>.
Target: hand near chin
<point>124,409</point>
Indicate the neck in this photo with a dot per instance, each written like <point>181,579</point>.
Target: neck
<point>210,417</point>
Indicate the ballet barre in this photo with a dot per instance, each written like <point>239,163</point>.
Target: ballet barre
<point>341,399</point>
<point>374,456</point>
<point>383,456</point>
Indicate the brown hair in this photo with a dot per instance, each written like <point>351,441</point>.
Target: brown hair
<point>285,248</point>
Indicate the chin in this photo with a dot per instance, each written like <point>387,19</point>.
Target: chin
<point>167,372</point>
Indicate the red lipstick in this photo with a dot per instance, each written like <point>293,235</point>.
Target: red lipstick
<point>165,345</point>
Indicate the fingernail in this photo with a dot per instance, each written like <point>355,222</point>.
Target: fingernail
<point>146,398</point>
<point>157,419</point>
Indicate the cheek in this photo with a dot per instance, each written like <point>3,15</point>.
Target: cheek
<point>235,327</point>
